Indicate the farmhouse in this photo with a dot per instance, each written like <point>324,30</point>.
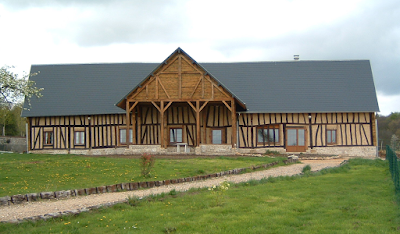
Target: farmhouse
<point>316,107</point>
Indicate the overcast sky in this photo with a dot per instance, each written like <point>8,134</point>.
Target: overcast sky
<point>97,31</point>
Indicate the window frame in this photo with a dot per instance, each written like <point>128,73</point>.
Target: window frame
<point>81,138</point>
<point>124,134</point>
<point>333,141</point>
<point>169,135</point>
<point>266,140</point>
<point>223,136</point>
<point>45,138</point>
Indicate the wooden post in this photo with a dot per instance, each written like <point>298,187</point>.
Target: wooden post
<point>139,126</point>
<point>234,124</point>
<point>198,133</point>
<point>133,126</point>
<point>127,121</point>
<point>162,125</point>
<point>180,77</point>
<point>205,127</point>
<point>310,127</point>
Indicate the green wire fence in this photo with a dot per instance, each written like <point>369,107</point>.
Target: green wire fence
<point>393,167</point>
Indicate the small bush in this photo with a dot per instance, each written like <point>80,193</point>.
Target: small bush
<point>173,192</point>
<point>219,191</point>
<point>200,171</point>
<point>170,229</point>
<point>306,169</point>
<point>272,152</point>
<point>147,164</point>
<point>134,201</point>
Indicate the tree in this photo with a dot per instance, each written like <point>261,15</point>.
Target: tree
<point>13,89</point>
<point>387,127</point>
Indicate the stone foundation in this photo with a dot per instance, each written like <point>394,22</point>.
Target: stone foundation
<point>361,151</point>
<point>215,150</point>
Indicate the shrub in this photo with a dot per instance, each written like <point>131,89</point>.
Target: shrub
<point>219,191</point>
<point>147,164</point>
<point>272,152</point>
<point>173,192</point>
<point>134,201</point>
<point>306,169</point>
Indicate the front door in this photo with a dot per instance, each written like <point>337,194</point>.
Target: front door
<point>296,139</point>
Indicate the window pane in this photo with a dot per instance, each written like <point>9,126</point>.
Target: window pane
<point>276,130</point>
<point>292,137</point>
<point>301,137</point>
<point>178,135</point>
<point>273,135</point>
<point>172,135</point>
<point>260,136</point>
<point>175,135</point>
<point>48,138</point>
<point>122,135</point>
<point>217,136</point>
<point>329,136</point>
<point>333,136</point>
<point>79,138</point>
<point>130,135</point>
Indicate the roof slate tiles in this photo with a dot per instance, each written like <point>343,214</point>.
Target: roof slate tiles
<point>265,87</point>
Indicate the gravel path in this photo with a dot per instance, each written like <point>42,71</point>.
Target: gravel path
<point>30,209</point>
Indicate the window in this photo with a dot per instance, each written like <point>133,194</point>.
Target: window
<point>79,138</point>
<point>268,134</point>
<point>217,136</point>
<point>175,135</point>
<point>331,136</point>
<point>122,136</point>
<point>48,138</point>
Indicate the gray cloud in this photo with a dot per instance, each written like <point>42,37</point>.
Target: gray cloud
<point>372,34</point>
<point>129,22</point>
<point>26,4</point>
<point>118,21</point>
<point>132,23</point>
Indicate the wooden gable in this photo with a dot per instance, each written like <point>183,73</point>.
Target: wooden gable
<point>179,78</point>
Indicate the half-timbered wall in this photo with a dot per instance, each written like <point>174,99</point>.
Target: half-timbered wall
<point>100,131</point>
<point>352,129</point>
<point>103,131</point>
<point>181,115</point>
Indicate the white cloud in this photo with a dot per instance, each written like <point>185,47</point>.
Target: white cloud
<point>388,104</point>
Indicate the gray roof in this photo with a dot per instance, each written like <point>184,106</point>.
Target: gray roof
<point>265,87</point>
<point>300,86</point>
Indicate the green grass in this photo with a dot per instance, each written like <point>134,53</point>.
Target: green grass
<point>356,198</point>
<point>31,173</point>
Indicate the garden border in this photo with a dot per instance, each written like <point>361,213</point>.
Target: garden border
<point>31,197</point>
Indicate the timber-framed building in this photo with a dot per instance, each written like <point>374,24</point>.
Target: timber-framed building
<point>321,107</point>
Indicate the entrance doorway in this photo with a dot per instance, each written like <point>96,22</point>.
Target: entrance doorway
<point>296,139</point>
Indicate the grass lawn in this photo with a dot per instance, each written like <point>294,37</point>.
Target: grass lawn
<point>356,198</point>
<point>31,173</point>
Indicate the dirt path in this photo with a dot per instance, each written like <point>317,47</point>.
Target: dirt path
<point>48,208</point>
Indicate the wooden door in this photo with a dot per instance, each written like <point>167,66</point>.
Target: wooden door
<point>296,139</point>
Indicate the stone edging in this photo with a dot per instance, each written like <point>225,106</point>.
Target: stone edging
<point>31,197</point>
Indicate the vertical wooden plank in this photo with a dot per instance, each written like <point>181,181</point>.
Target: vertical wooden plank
<point>234,124</point>
<point>198,133</point>
<point>163,143</point>
<point>309,117</point>
<point>372,123</point>
<point>180,77</point>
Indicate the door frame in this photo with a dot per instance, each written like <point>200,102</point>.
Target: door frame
<point>297,147</point>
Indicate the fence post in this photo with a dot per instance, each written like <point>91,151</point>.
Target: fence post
<point>393,167</point>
